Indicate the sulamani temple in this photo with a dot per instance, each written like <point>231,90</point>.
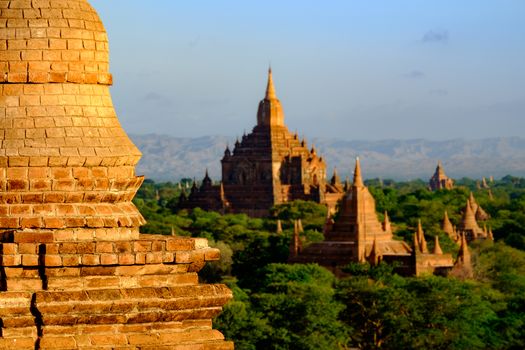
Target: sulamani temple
<point>269,166</point>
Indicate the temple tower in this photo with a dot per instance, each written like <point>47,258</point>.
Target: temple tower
<point>357,235</point>
<point>448,228</point>
<point>270,112</point>
<point>469,226</point>
<point>75,273</point>
<point>268,166</point>
<point>440,181</point>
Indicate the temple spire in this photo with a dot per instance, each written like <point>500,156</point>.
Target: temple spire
<point>358,180</point>
<point>421,238</point>
<point>270,88</point>
<point>463,266</point>
<point>437,247</point>
<point>417,248</point>
<point>387,226</point>
<point>270,112</point>
<point>464,253</point>
<point>447,226</point>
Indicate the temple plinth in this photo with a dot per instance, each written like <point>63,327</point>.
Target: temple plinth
<point>75,273</point>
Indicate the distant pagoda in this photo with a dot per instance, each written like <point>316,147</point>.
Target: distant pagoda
<point>440,180</point>
<point>269,166</point>
<point>358,236</point>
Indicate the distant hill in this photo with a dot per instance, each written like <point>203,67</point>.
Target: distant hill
<point>167,158</point>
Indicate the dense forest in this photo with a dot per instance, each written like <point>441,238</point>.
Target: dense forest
<point>282,306</point>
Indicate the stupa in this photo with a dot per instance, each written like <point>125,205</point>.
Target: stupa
<point>74,271</point>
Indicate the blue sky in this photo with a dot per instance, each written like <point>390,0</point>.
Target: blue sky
<point>348,69</point>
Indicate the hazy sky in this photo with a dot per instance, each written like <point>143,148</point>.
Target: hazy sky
<point>350,69</point>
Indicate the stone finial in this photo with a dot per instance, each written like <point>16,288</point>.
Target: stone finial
<point>227,152</point>
<point>335,180</point>
<point>490,234</point>
<point>437,247</point>
<point>417,248</point>
<point>206,181</point>
<point>358,180</point>
<point>270,88</point>
<point>421,238</point>
<point>472,202</point>
<point>270,112</point>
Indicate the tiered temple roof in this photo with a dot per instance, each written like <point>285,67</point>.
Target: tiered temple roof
<point>358,236</point>
<point>75,273</point>
<point>354,235</point>
<point>268,166</point>
<point>440,181</point>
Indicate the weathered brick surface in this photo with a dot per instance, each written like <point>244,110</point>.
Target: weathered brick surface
<point>75,273</point>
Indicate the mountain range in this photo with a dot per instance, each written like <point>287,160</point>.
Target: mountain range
<point>168,158</point>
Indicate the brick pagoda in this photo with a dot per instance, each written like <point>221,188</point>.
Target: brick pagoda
<point>358,236</point>
<point>440,180</point>
<point>269,166</point>
<point>74,271</point>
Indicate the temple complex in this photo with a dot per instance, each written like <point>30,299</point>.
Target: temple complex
<point>74,271</point>
<point>440,181</point>
<point>358,236</point>
<point>269,166</point>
